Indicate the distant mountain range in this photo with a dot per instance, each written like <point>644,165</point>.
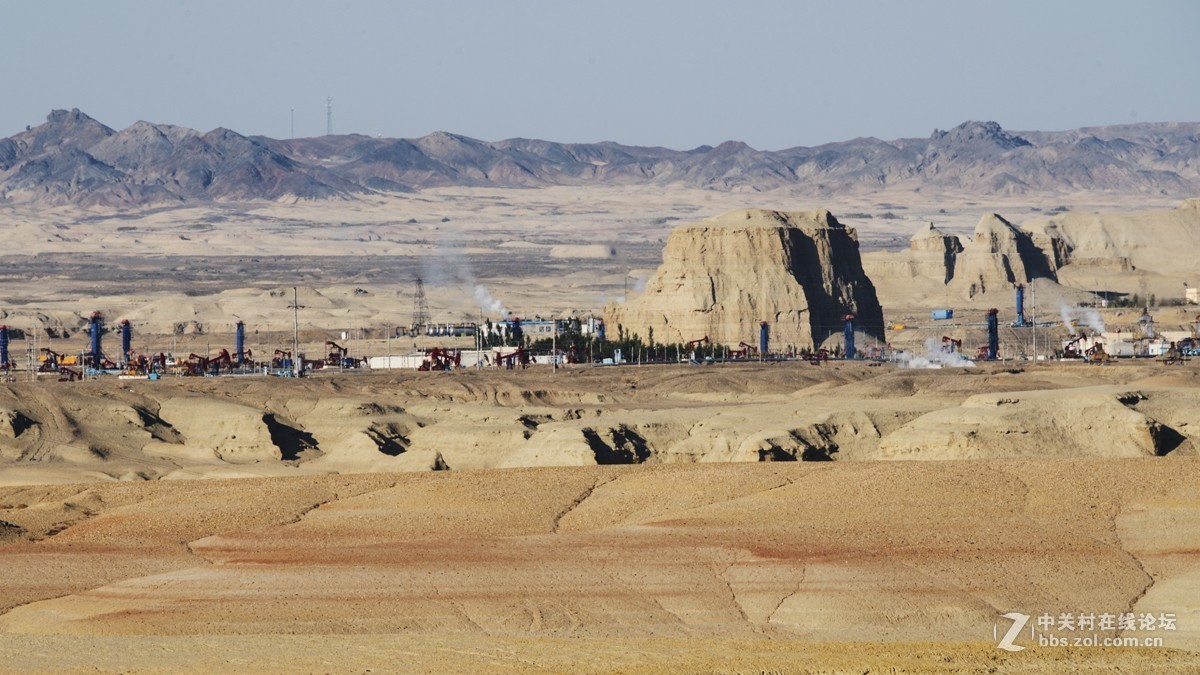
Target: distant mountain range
<point>73,159</point>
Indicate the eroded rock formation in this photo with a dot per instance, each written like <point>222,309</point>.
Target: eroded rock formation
<point>999,256</point>
<point>800,272</point>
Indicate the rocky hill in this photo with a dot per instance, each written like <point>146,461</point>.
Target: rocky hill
<point>799,272</point>
<point>74,159</point>
<point>1084,257</point>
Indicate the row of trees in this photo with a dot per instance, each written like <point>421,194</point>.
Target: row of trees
<point>586,348</point>
<point>1136,300</point>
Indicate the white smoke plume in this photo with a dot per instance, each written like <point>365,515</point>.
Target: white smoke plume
<point>1093,319</point>
<point>1064,311</point>
<point>488,303</point>
<point>450,267</point>
<point>1085,315</point>
<point>933,357</point>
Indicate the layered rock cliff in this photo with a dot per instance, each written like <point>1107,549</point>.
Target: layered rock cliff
<point>937,246</point>
<point>999,256</point>
<point>931,256</point>
<point>1165,241</point>
<point>800,272</point>
<point>937,269</point>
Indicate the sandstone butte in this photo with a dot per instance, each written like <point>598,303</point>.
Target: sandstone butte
<point>800,272</point>
<point>1070,255</point>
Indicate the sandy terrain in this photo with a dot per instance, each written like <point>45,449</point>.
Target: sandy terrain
<point>408,421</point>
<point>1080,497</point>
<point>726,568</point>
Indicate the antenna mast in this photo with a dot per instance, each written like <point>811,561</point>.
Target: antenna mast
<point>328,115</point>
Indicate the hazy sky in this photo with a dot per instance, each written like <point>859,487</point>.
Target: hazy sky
<point>678,74</point>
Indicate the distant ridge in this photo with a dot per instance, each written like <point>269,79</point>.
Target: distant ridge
<point>73,159</point>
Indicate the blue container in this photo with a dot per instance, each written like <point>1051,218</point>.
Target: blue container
<point>942,314</point>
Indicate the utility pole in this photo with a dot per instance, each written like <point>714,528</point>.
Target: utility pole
<point>293,123</point>
<point>297,367</point>
<point>328,115</point>
<point>1033,292</point>
<point>31,353</point>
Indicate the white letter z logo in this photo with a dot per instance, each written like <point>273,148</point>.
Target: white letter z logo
<point>1019,620</point>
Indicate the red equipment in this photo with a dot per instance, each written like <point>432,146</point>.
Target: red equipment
<point>336,353</point>
<point>441,359</point>
<point>1070,350</point>
<point>815,358</point>
<point>511,360</point>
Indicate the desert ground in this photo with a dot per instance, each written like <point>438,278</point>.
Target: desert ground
<point>632,519</point>
<point>730,517</point>
<point>843,567</point>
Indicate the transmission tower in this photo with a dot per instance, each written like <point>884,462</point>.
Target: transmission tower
<point>420,305</point>
<point>328,115</point>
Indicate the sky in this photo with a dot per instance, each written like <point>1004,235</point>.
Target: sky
<point>679,74</point>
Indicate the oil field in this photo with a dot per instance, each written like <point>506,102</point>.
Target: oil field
<point>315,358</point>
<point>747,390</point>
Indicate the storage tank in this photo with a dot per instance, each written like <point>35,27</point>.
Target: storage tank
<point>942,314</point>
<point>97,354</point>
<point>993,328</point>
<point>848,329</point>
<point>1021,320</point>
<point>126,340</point>
<point>240,344</point>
